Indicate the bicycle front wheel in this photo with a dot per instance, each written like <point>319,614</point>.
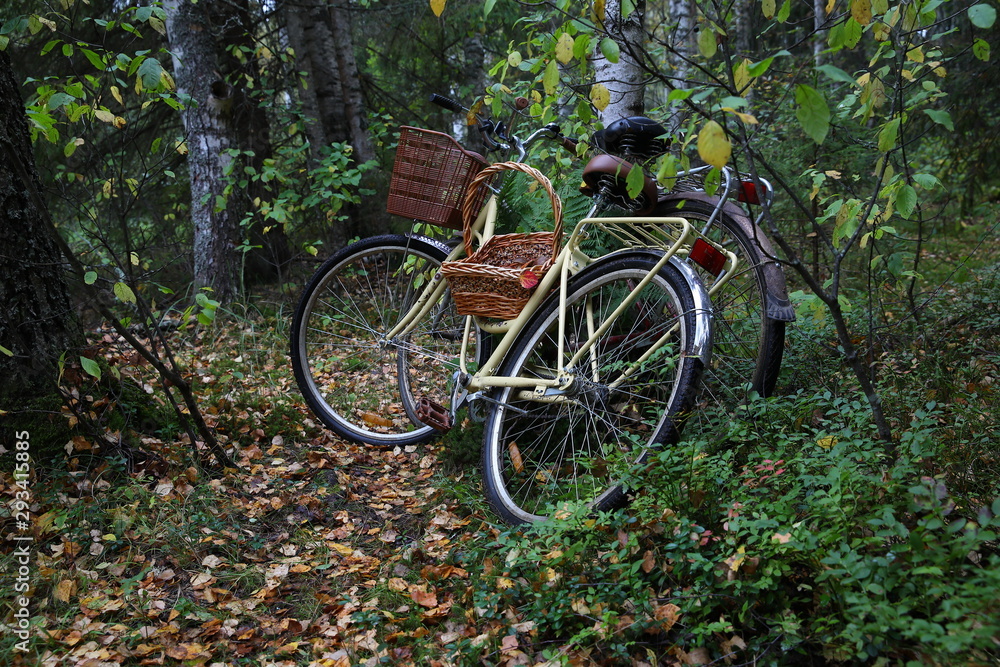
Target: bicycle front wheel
<point>361,384</point>
<point>552,454</point>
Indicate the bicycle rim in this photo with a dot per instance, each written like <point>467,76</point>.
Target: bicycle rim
<point>544,458</point>
<point>361,385</point>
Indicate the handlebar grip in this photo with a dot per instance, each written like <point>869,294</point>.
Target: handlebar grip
<point>568,144</point>
<point>447,103</point>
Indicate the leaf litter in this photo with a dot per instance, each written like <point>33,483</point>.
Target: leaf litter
<point>285,557</point>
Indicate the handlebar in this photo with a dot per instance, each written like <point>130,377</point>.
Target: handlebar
<point>498,136</point>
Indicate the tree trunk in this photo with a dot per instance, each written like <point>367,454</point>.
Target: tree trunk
<point>623,79</point>
<point>36,322</point>
<point>818,40</point>
<point>350,79</point>
<point>315,130</point>
<point>206,123</point>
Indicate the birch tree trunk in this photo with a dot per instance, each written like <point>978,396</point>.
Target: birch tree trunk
<point>819,20</point>
<point>623,79</point>
<point>206,119</point>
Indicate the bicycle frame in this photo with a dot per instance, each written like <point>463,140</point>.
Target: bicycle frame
<point>667,237</point>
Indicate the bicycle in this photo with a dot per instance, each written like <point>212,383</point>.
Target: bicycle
<point>637,314</point>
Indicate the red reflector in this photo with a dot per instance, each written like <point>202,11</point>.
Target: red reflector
<point>748,193</point>
<point>707,257</point>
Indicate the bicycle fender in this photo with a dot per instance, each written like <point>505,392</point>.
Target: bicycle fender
<point>440,245</point>
<point>702,347</point>
<point>778,306</point>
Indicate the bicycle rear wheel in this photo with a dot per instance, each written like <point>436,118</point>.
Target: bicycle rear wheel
<point>747,344</point>
<point>544,457</point>
<point>361,385</point>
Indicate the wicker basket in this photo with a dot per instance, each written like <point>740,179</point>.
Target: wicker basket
<point>430,177</point>
<point>498,279</point>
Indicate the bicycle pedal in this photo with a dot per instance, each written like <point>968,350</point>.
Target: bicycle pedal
<point>434,415</point>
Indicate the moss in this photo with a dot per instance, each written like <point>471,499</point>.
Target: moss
<point>38,415</point>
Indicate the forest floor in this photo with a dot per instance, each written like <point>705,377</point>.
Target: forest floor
<point>316,551</point>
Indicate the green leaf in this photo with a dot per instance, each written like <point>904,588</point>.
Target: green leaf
<point>887,136</point>
<point>707,44</point>
<point>906,200</point>
<point>634,181</point>
<point>150,71</point>
<point>124,293</point>
<point>981,49</point>
<point>610,49</point>
<point>59,100</point>
<point>95,60</point>
<point>90,367</point>
<point>941,117</point>
<point>6,351</point>
<point>550,80</point>
<point>488,7</point>
<point>926,181</point>
<point>812,112</point>
<point>786,9</point>
<point>982,15</point>
<point>852,33</point>
<point>837,74</point>
<point>90,277</point>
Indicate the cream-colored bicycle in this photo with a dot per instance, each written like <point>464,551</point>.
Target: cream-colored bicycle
<point>583,361</point>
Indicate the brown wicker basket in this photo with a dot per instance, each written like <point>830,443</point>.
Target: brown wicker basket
<point>430,177</point>
<point>491,282</point>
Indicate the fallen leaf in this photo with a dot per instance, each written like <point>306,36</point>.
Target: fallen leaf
<point>422,596</point>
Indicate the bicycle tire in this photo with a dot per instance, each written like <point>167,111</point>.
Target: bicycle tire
<point>360,386</point>
<point>577,451</point>
<point>747,344</point>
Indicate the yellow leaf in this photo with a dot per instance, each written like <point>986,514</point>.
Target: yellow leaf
<point>861,10</point>
<point>564,48</point>
<point>737,560</point>
<point>767,6</point>
<point>742,76</point>
<point>104,115</point>
<point>65,589</point>
<point>437,6</point>
<point>514,58</point>
<point>829,6</point>
<point>600,96</point>
<point>915,54</point>
<point>373,419</point>
<point>504,582</point>
<point>515,457</point>
<point>713,144</point>
<point>118,122</point>
<point>117,94</point>
<point>827,442</point>
<point>599,11</point>
<point>745,117</point>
